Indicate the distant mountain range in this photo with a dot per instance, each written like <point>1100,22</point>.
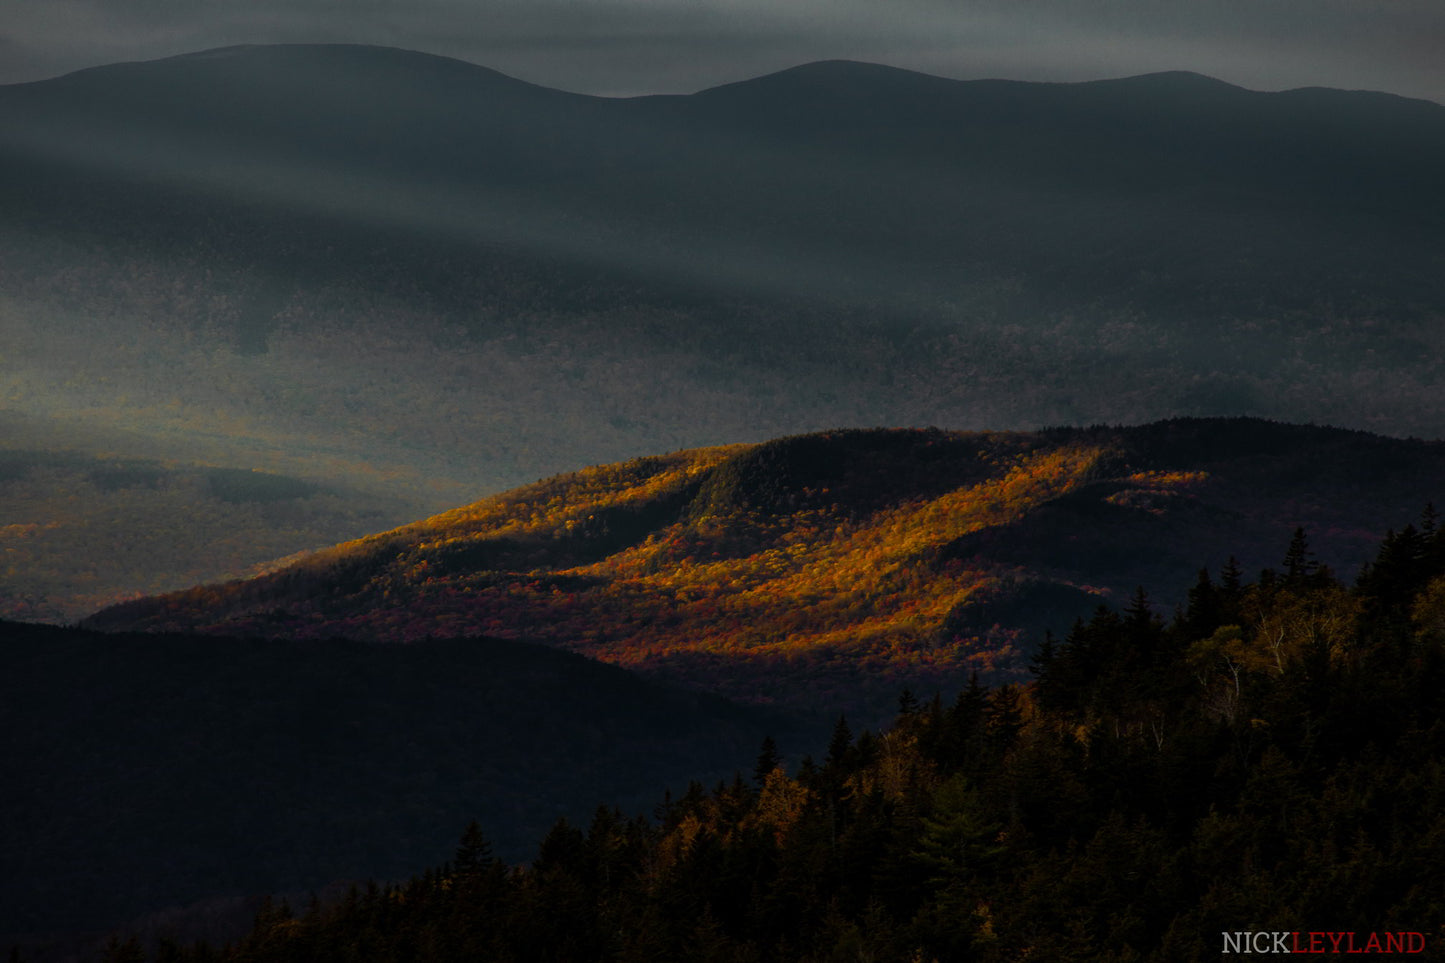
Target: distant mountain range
<point>833,570</point>
<point>78,532</point>
<point>422,276</point>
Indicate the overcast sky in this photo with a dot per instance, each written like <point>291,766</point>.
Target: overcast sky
<point>622,47</point>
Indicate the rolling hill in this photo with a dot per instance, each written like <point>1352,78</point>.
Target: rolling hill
<point>832,570</point>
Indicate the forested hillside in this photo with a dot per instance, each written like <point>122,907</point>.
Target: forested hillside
<point>828,571</point>
<point>1267,760</point>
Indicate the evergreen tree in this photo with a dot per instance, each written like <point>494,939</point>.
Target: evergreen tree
<point>1231,579</point>
<point>962,748</point>
<point>474,853</point>
<point>1299,561</point>
<point>768,760</point>
<point>1041,665</point>
<point>1004,717</point>
<point>1203,609</point>
<point>841,742</point>
<point>907,703</point>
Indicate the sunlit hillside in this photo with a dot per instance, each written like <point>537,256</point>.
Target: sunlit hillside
<point>836,568</point>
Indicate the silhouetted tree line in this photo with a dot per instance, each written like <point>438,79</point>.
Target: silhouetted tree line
<point>1268,758</point>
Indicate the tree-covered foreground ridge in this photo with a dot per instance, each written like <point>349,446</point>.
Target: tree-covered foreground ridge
<point>1270,760</point>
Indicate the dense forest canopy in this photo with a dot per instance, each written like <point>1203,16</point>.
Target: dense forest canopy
<point>1267,760</point>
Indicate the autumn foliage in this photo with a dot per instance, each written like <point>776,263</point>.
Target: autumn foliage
<point>827,569</point>
<point>1267,760</point>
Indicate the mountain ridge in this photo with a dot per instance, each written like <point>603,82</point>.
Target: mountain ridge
<point>354,58</point>
<point>445,288</point>
<point>374,55</point>
<point>840,567</point>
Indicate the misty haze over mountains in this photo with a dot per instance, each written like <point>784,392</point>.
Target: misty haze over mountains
<point>422,275</point>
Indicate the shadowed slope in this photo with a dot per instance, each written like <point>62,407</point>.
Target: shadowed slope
<point>153,771</point>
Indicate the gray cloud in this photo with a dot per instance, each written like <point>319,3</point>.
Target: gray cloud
<point>646,46</point>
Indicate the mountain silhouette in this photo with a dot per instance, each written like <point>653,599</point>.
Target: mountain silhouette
<point>757,161</point>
